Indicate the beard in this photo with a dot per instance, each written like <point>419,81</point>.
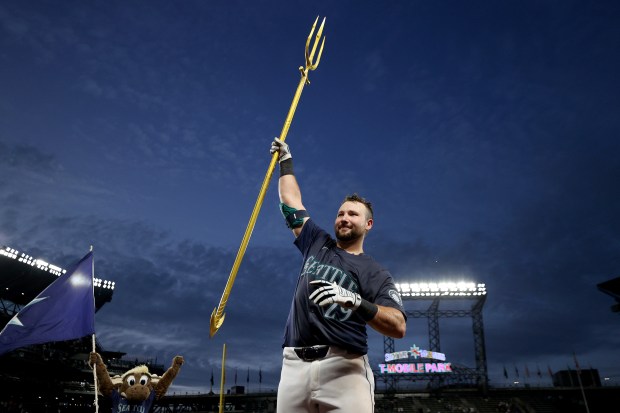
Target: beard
<point>346,234</point>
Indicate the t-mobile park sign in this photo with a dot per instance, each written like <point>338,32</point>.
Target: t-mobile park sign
<point>415,368</point>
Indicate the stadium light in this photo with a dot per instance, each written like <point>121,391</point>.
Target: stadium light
<point>29,260</point>
<point>45,266</point>
<point>441,289</point>
<point>103,283</point>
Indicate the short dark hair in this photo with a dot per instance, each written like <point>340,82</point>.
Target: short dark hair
<point>361,200</point>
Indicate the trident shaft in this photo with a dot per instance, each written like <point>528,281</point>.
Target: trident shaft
<point>217,317</point>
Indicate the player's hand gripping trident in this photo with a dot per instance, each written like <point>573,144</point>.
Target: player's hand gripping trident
<point>217,317</point>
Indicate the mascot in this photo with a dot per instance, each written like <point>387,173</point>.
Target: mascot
<point>136,389</point>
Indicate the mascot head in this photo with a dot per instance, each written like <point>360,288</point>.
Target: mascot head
<point>136,384</point>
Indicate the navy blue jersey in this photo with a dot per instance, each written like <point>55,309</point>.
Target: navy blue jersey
<point>120,404</point>
<point>309,324</point>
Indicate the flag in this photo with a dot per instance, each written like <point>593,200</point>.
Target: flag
<point>260,375</point>
<point>505,372</point>
<point>65,310</point>
<point>211,377</point>
<point>248,379</point>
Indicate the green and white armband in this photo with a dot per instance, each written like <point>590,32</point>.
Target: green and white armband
<point>294,217</point>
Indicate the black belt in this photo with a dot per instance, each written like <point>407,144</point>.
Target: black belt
<point>311,353</point>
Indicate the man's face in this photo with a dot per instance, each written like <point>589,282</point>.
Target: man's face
<point>351,221</point>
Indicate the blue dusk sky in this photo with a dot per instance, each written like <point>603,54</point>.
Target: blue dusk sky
<point>485,133</point>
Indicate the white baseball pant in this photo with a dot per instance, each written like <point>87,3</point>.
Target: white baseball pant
<point>340,382</point>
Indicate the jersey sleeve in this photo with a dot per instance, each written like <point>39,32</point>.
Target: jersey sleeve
<point>386,294</point>
<point>308,236</point>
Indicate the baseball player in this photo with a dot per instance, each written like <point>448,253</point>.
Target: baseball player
<point>340,290</point>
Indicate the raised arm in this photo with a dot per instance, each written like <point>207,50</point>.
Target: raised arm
<point>166,380</point>
<point>288,189</point>
<point>103,377</point>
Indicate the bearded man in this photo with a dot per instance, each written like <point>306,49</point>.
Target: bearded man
<point>339,291</point>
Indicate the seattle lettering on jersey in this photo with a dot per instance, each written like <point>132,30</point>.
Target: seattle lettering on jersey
<point>122,405</point>
<point>315,270</point>
<point>131,408</point>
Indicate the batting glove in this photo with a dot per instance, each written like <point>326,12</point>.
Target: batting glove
<point>279,146</point>
<point>329,293</point>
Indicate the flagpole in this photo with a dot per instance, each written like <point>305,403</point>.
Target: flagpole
<point>223,379</point>
<point>95,379</point>
<point>583,393</point>
<point>92,282</point>
<point>211,391</point>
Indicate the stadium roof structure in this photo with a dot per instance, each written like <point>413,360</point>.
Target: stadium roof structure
<point>23,277</point>
<point>612,288</point>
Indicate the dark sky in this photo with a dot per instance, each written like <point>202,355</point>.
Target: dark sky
<point>485,133</point>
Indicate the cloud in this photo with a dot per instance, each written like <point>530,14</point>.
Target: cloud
<point>27,158</point>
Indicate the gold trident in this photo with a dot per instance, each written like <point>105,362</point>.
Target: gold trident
<point>217,317</point>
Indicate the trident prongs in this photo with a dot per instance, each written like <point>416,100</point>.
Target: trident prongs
<point>310,56</point>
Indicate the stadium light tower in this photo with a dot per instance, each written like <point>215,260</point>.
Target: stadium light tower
<point>445,299</point>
